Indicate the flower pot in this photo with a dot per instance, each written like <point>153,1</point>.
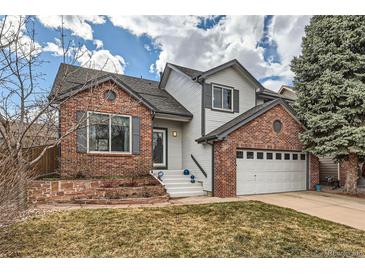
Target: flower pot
<point>318,187</point>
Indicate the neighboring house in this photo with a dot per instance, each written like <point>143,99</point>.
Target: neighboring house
<point>232,134</point>
<point>288,92</point>
<point>37,135</point>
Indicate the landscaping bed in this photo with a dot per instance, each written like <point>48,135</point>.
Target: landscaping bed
<point>235,229</point>
<point>341,191</point>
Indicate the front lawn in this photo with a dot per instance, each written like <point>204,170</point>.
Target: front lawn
<point>236,229</point>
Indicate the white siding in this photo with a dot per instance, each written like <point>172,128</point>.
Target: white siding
<point>188,93</point>
<point>230,77</point>
<point>174,144</point>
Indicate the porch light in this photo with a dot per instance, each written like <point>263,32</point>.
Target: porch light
<point>174,133</point>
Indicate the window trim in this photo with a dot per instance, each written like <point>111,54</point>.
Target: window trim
<point>110,124</point>
<point>232,94</point>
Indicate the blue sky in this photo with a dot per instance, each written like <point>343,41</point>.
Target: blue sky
<point>141,45</point>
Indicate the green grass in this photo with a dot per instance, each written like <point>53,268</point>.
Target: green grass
<point>236,229</point>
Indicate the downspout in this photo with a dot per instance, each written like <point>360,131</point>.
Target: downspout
<point>213,169</point>
<point>307,171</point>
<point>203,110</point>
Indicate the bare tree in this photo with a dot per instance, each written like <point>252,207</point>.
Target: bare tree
<point>28,116</point>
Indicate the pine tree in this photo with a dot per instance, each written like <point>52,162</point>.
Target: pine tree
<point>330,81</point>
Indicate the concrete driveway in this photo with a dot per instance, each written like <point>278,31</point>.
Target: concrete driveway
<point>340,209</point>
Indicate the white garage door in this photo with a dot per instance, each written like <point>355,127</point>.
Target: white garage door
<point>270,171</point>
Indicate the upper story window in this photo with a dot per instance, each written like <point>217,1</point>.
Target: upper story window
<point>222,98</point>
<point>109,133</point>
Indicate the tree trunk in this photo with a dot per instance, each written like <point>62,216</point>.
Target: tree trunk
<point>352,173</point>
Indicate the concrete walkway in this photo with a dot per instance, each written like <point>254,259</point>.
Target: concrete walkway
<point>337,208</point>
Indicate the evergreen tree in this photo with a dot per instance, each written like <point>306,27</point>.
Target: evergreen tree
<point>330,82</point>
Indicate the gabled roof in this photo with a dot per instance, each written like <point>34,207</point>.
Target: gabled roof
<point>188,71</point>
<point>73,79</point>
<point>198,75</point>
<point>236,65</point>
<point>244,118</point>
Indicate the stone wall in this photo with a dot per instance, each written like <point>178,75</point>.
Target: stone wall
<point>74,191</point>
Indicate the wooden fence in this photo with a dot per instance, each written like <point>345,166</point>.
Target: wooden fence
<point>47,164</point>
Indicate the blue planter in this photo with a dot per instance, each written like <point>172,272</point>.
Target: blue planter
<point>318,187</point>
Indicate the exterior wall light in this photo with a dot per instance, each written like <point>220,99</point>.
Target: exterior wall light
<point>174,133</point>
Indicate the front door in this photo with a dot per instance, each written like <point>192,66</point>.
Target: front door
<point>159,148</point>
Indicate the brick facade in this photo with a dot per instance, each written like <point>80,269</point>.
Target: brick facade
<point>257,134</point>
<point>313,171</point>
<point>73,163</point>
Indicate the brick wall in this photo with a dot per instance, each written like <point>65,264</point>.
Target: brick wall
<point>313,171</point>
<point>73,163</point>
<point>257,134</point>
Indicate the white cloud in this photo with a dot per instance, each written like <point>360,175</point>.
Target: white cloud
<point>181,41</point>
<point>78,25</point>
<point>147,47</point>
<point>54,48</point>
<point>13,27</point>
<point>98,59</point>
<point>98,43</point>
<point>105,60</point>
<point>274,84</point>
<point>152,68</point>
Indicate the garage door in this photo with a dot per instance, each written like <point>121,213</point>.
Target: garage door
<point>270,171</point>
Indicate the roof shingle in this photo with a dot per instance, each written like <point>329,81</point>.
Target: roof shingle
<point>70,78</point>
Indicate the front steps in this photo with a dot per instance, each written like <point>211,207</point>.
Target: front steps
<point>179,185</point>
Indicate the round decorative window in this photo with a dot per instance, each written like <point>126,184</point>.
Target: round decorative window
<point>277,126</point>
<point>110,95</point>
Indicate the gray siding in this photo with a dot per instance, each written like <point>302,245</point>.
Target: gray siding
<point>327,167</point>
<point>188,93</point>
<point>174,144</point>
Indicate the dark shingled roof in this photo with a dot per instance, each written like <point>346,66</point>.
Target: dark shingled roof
<point>77,77</point>
<point>243,119</point>
<point>188,71</point>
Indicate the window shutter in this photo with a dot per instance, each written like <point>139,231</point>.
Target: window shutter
<point>136,128</point>
<point>236,101</point>
<point>81,132</point>
<point>207,90</point>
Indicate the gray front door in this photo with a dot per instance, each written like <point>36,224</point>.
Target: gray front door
<point>159,147</point>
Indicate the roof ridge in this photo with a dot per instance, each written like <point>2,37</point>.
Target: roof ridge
<point>176,65</point>
<point>105,71</point>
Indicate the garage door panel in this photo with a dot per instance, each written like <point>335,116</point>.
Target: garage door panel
<point>255,176</point>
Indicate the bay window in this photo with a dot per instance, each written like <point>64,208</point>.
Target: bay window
<point>109,133</point>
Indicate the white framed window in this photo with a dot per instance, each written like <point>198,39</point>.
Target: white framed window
<point>222,98</point>
<point>109,133</point>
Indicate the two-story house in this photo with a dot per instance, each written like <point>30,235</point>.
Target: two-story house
<point>234,136</point>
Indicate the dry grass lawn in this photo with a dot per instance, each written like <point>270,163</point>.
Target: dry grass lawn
<point>236,229</point>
